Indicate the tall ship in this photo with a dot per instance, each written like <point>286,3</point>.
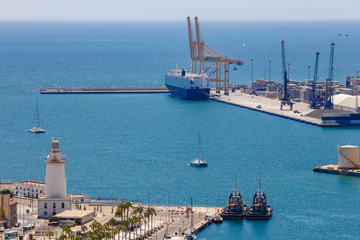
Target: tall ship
<point>235,208</point>
<point>260,210</point>
<point>186,85</point>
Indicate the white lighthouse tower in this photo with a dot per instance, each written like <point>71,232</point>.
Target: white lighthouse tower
<point>55,200</point>
<point>55,179</point>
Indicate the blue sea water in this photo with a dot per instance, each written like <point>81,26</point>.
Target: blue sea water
<point>128,145</point>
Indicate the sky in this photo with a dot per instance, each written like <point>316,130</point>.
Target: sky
<point>167,10</point>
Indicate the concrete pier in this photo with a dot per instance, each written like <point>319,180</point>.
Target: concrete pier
<point>334,169</point>
<point>102,90</point>
<point>269,106</point>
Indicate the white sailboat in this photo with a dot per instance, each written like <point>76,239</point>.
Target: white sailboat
<point>37,128</point>
<point>197,162</point>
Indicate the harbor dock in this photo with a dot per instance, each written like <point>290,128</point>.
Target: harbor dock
<point>334,169</point>
<point>102,90</point>
<point>269,106</point>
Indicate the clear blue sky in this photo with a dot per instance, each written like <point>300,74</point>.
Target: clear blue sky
<point>178,9</point>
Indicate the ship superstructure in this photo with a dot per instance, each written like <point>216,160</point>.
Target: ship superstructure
<point>186,85</point>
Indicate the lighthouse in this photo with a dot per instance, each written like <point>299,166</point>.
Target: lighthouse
<point>55,200</point>
<point>55,179</point>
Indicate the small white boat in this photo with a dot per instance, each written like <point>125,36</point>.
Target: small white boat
<point>197,162</point>
<point>37,128</point>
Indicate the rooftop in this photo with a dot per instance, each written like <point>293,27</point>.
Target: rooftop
<point>74,214</point>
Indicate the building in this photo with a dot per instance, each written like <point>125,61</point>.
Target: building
<point>346,102</point>
<point>79,217</point>
<point>10,207</point>
<point>79,198</point>
<point>29,189</point>
<point>55,200</point>
<point>7,185</point>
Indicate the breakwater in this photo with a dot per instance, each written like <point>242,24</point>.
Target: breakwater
<point>102,90</point>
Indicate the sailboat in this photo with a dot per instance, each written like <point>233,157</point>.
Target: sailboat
<point>37,128</point>
<point>197,162</point>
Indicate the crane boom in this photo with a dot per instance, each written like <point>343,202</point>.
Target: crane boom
<point>285,100</point>
<point>313,104</point>
<point>190,38</point>
<point>283,62</point>
<point>329,104</point>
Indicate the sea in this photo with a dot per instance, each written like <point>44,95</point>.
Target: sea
<point>130,145</point>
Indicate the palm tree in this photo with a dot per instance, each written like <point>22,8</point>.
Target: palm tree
<point>126,223</point>
<point>66,230</point>
<point>139,211</point>
<point>84,228</point>
<point>50,234</point>
<point>112,222</point>
<point>147,215</point>
<point>121,228</point>
<point>152,213</point>
<point>2,214</point>
<point>107,235</point>
<point>62,237</point>
<point>128,205</point>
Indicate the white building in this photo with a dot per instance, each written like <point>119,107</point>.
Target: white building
<point>79,198</point>
<point>30,189</point>
<point>346,102</point>
<point>55,200</point>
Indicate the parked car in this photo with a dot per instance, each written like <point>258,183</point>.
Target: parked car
<point>2,229</point>
<point>17,224</point>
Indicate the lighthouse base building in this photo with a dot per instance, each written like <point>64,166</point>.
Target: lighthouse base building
<point>55,199</point>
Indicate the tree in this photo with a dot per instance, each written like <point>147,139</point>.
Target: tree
<point>112,222</point>
<point>7,191</point>
<point>54,219</point>
<point>152,213</point>
<point>147,215</point>
<point>50,234</point>
<point>2,214</point>
<point>84,228</point>
<point>62,237</point>
<point>107,235</point>
<point>128,205</point>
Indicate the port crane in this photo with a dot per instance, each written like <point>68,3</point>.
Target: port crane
<point>207,60</point>
<point>328,102</point>
<point>285,100</point>
<point>313,104</point>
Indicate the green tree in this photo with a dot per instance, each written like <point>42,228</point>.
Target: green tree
<point>84,228</point>
<point>7,191</point>
<point>2,214</point>
<point>50,234</point>
<point>152,213</point>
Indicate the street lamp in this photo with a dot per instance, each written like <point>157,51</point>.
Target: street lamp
<point>309,72</point>
<point>269,69</point>
<point>289,70</point>
<point>252,70</point>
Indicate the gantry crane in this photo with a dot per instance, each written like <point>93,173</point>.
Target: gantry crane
<point>328,102</point>
<point>313,103</point>
<point>207,60</point>
<point>285,100</point>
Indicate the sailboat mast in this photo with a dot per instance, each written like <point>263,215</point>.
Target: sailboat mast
<point>37,122</point>
<point>200,148</point>
<point>192,216</point>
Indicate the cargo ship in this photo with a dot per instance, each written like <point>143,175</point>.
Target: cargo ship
<point>186,85</point>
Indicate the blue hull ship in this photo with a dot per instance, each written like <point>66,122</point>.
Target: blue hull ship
<point>189,86</point>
